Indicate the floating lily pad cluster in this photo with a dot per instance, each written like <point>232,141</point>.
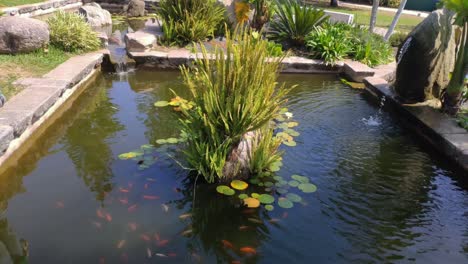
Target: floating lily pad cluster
<point>144,156</point>
<point>277,185</point>
<point>177,102</point>
<point>284,123</point>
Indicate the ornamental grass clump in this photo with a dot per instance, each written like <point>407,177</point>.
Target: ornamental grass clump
<point>185,21</point>
<point>70,32</point>
<point>236,95</point>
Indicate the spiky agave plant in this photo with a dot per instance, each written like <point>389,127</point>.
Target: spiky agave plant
<point>236,96</point>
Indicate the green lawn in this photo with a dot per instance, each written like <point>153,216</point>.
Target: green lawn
<point>384,19</point>
<point>4,3</point>
<point>13,67</point>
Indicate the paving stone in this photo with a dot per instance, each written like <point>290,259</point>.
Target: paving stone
<point>436,120</point>
<point>460,141</point>
<point>357,71</point>
<point>179,57</point>
<point>6,136</point>
<point>19,120</point>
<point>76,68</point>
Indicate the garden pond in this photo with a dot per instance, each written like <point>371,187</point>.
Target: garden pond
<point>382,197</point>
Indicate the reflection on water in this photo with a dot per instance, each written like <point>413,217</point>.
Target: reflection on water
<point>381,197</point>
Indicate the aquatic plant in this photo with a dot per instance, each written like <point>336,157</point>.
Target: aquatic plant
<point>185,21</point>
<point>294,22</point>
<point>70,32</point>
<point>235,97</point>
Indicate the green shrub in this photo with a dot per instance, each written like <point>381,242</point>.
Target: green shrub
<point>234,94</point>
<point>294,22</point>
<point>330,43</point>
<point>70,32</point>
<point>189,20</point>
<point>397,38</point>
<point>370,49</point>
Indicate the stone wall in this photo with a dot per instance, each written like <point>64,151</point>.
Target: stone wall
<point>42,8</point>
<point>117,6</point>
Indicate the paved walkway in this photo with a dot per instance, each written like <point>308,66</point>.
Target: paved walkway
<point>386,9</point>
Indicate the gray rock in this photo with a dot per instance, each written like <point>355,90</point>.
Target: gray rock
<point>140,41</point>
<point>136,8</point>
<point>426,58</point>
<point>6,136</point>
<point>21,35</point>
<point>95,15</point>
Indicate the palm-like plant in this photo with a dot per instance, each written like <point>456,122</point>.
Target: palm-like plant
<point>454,92</point>
<point>294,22</point>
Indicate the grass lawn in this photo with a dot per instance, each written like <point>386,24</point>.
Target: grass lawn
<point>13,67</point>
<point>384,19</point>
<point>4,3</point>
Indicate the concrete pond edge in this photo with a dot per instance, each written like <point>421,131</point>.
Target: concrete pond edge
<point>435,128</point>
<point>42,8</point>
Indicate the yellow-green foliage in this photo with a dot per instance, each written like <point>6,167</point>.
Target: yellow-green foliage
<point>234,94</point>
<point>70,32</point>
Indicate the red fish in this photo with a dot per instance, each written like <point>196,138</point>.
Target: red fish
<point>132,208</point>
<point>100,213</point>
<point>108,217</point>
<point>121,244</point>
<point>163,243</point>
<point>123,201</point>
<point>150,197</point>
<point>157,237</point>
<point>172,254</point>
<point>248,250</point>
<point>59,204</point>
<point>227,244</point>
<point>122,190</point>
<point>145,237</point>
<point>132,225</point>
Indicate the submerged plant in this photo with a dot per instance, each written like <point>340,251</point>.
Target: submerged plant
<point>235,97</point>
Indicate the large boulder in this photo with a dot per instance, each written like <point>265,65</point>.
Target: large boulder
<point>426,58</point>
<point>21,35</point>
<point>136,8</point>
<point>95,15</point>
<point>140,41</point>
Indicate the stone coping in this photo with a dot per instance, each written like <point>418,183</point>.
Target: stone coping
<point>39,97</point>
<point>434,127</point>
<point>42,8</point>
<point>175,58</point>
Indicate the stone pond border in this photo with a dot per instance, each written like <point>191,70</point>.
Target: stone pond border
<point>434,127</point>
<point>42,8</point>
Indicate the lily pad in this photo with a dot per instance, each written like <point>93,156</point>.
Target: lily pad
<point>239,185</point>
<point>283,126</point>
<point>266,199</point>
<point>251,202</point>
<point>226,190</point>
<point>161,141</point>
<point>282,190</point>
<point>290,143</point>
<point>307,187</point>
<point>294,197</point>
<point>299,178</point>
<point>274,167</point>
<point>253,181</point>
<point>130,155</point>
<point>147,147</point>
<point>285,203</point>
<point>292,132</point>
<point>229,192</point>
<point>161,103</point>
<point>293,124</point>
<point>255,195</point>
<point>172,140</point>
<point>268,184</point>
<point>242,196</point>
<point>293,183</point>
<point>269,207</point>
<point>278,178</point>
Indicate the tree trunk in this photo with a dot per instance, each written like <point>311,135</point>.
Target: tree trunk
<point>452,98</point>
<point>373,19</point>
<point>395,20</point>
<point>334,3</point>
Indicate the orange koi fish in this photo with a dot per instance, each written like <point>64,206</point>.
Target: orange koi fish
<point>108,217</point>
<point>172,254</point>
<point>150,197</point>
<point>123,201</point>
<point>163,243</point>
<point>121,244</point>
<point>132,225</point>
<point>248,250</point>
<point>145,237</point>
<point>132,208</point>
<point>227,244</point>
<point>157,237</point>
<point>100,213</point>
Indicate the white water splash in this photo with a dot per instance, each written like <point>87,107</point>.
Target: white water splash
<point>375,120</point>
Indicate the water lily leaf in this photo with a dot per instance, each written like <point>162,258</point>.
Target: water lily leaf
<point>292,132</point>
<point>222,188</point>
<point>269,207</point>
<point>280,118</point>
<point>147,147</point>
<point>253,181</point>
<point>130,155</point>
<point>299,178</point>
<point>273,167</point>
<point>283,110</point>
<point>268,189</point>
<point>255,195</point>
<point>266,199</point>
<point>242,196</point>
<point>282,190</point>
<point>161,141</point>
<point>290,143</point>
<point>278,178</point>
<point>293,183</point>
<point>229,192</point>
<point>294,197</point>
<point>172,140</point>
<point>239,185</point>
<point>307,187</point>
<point>251,202</point>
<point>285,203</point>
<point>268,184</point>
<point>279,184</point>
<point>283,126</point>
<point>293,124</point>
<point>161,103</point>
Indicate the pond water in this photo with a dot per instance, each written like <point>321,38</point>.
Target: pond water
<point>382,197</point>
